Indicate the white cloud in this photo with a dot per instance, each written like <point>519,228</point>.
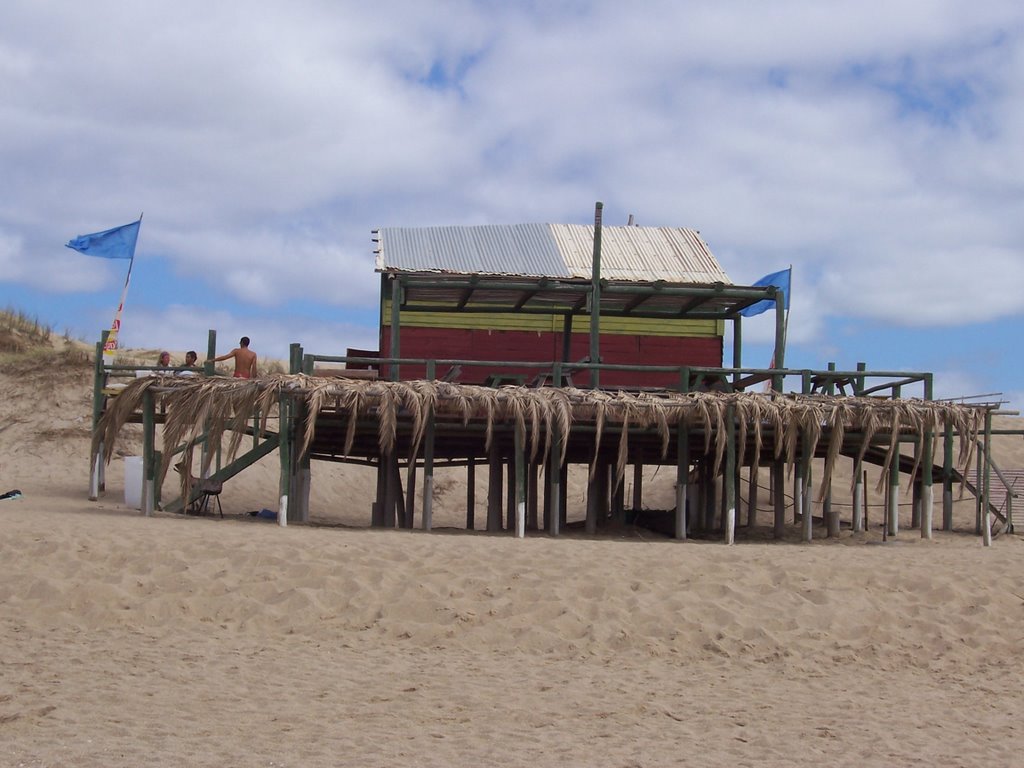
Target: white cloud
<point>873,145</point>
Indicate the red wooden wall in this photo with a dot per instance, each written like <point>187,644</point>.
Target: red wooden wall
<point>476,344</point>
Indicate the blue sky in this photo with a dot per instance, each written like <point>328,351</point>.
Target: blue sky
<point>875,146</point>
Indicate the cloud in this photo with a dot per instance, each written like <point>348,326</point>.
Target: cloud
<point>874,146</point>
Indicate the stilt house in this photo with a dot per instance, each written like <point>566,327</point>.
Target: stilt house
<point>653,296</point>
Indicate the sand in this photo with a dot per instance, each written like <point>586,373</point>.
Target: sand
<point>169,640</point>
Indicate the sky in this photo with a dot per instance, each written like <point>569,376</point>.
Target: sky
<point>877,147</point>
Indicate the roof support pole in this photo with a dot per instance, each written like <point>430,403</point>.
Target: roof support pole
<point>927,473</point>
<point>730,477</point>
<point>682,478</point>
<point>428,461</point>
<point>737,347</point>
<point>396,305</point>
<point>595,300</point>
<point>947,476</point>
<point>779,359</point>
<point>986,538</point>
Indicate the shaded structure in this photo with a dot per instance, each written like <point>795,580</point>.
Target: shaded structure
<point>480,365</point>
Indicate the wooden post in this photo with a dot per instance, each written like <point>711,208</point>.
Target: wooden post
<point>858,497</point>
<point>428,462</point>
<point>532,495</point>
<point>947,477</point>
<point>752,493</point>
<point>553,481</point>
<point>682,478</point>
<point>618,510</point>
<point>729,479</point>
<point>831,515</point>
<point>987,500</point>
<point>520,477</point>
<point>779,500</point>
<point>638,484</point>
<point>595,301</point>
<point>284,448</point>
<point>396,314</point>
<point>96,478</point>
<point>593,494</point>
<point>927,495</point>
<point>377,510</point>
<point>563,501</point>
<point>894,494</point>
<point>798,490</point>
<point>148,447</point>
<point>471,494</point>
<point>494,478</point>
<point>510,492</point>
<point>408,514</point>
<point>977,490</point>
<point>805,491</point>
<point>915,501</point>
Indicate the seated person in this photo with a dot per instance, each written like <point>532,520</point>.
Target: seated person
<point>190,360</point>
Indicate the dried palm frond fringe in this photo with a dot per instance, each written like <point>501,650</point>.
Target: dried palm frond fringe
<point>215,405</point>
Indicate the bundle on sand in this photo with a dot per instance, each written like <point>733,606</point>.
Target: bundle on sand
<point>199,406</point>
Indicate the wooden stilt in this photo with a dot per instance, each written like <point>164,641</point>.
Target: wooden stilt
<point>858,497</point>
<point>532,494</point>
<point>553,507</point>
<point>894,494</point>
<point>638,484</point>
<point>148,447</point>
<point>377,510</point>
<point>798,490</point>
<point>471,494</point>
<point>410,494</point>
<point>831,515</point>
<point>618,510</point>
<point>495,472</point>
<point>752,493</point>
<point>805,493</point>
<point>285,451</point>
<point>428,472</point>
<point>779,497</point>
<point>947,477</point>
<point>563,501</point>
<point>593,504</point>
<point>682,479</point>
<point>730,477</point>
<point>520,485</point>
<point>393,490</point>
<point>510,493</point>
<point>984,486</point>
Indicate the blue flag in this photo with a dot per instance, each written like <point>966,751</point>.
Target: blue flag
<point>779,280</point>
<point>116,243</point>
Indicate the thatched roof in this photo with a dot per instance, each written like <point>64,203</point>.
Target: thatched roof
<point>213,406</point>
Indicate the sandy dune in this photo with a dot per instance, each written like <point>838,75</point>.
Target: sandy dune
<point>181,641</point>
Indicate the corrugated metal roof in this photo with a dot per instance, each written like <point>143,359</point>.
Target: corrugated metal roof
<point>639,254</point>
<point>492,249</point>
<point>632,254</point>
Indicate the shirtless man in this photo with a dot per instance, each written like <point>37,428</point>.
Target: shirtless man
<point>245,359</point>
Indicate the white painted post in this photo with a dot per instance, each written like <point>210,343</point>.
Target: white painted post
<point>282,511</point>
<point>148,499</point>
<point>927,498</point>
<point>94,476</point>
<point>858,503</point>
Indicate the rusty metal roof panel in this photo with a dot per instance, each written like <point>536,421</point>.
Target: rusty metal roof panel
<point>640,254</point>
<point>492,249</point>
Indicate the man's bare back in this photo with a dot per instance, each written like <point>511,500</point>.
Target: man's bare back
<point>245,360</point>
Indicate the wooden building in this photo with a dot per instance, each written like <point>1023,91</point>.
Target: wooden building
<point>508,293</point>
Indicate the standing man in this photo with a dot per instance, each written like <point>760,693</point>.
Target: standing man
<point>245,360</point>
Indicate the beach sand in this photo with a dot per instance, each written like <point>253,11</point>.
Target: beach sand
<point>176,640</point>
